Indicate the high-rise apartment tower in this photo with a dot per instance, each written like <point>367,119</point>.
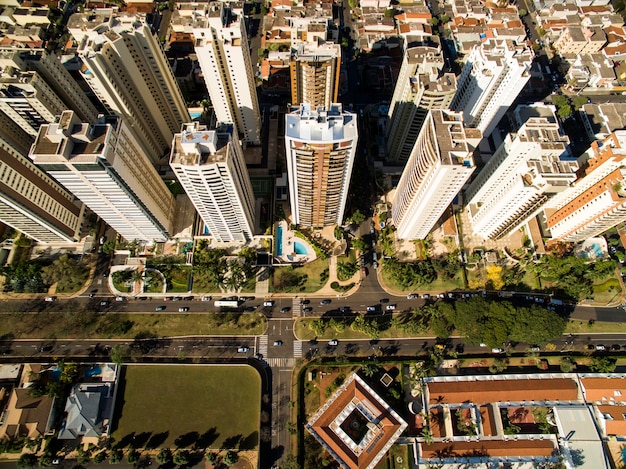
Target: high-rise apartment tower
<point>321,147</point>
<point>221,45</point>
<point>492,77</point>
<point>104,166</point>
<point>211,168</point>
<point>315,71</point>
<point>128,71</point>
<point>440,163</point>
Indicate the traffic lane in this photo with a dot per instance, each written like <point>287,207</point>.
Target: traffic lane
<point>280,338</point>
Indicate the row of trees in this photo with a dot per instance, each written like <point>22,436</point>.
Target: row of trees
<point>479,320</point>
<point>212,270</point>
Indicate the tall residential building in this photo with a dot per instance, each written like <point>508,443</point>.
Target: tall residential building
<point>128,71</point>
<point>221,45</point>
<point>35,204</point>
<point>321,146</point>
<point>421,86</point>
<point>493,76</point>
<point>35,88</point>
<point>17,63</point>
<point>211,168</point>
<point>13,136</point>
<point>315,71</point>
<point>526,171</point>
<point>597,200</point>
<point>104,166</point>
<point>440,163</point>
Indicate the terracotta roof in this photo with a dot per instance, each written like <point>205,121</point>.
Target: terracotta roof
<point>604,389</point>
<point>492,448</point>
<point>616,425</point>
<point>356,398</point>
<point>502,390</point>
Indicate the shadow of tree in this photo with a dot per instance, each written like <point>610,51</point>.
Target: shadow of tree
<point>157,440</point>
<point>125,441</point>
<point>206,439</point>
<point>141,440</point>
<point>232,442</point>
<point>186,440</point>
<point>250,442</point>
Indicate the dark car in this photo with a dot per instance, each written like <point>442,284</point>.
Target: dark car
<point>286,309</point>
<point>324,302</point>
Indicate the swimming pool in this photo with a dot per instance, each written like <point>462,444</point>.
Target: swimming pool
<point>94,371</point>
<point>299,248</point>
<point>597,251</point>
<point>279,240</point>
<point>195,115</point>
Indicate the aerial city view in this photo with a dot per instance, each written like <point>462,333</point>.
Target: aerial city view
<point>280,234</point>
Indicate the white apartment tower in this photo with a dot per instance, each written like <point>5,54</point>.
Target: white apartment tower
<point>495,73</point>
<point>128,71</point>
<point>439,166</point>
<point>525,172</point>
<point>221,45</point>
<point>34,203</point>
<point>321,147</point>
<point>315,71</point>
<point>421,86</point>
<point>597,200</point>
<point>104,166</point>
<point>211,168</point>
<point>35,88</point>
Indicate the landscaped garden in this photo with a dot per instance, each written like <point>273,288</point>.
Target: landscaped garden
<point>193,407</point>
<point>303,279</point>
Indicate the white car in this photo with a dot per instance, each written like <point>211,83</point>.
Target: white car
<point>333,342</point>
<point>497,350</point>
<point>412,296</point>
<point>206,298</point>
<point>184,309</point>
<point>390,307</point>
<point>242,349</point>
<point>268,303</point>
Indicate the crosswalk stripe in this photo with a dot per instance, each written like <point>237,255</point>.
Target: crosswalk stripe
<point>280,362</point>
<point>297,349</point>
<point>296,308</point>
<point>263,345</point>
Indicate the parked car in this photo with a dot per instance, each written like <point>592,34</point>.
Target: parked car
<point>268,304</point>
<point>600,348</point>
<point>119,298</point>
<point>390,307</point>
<point>242,349</point>
<point>333,343</point>
<point>412,296</point>
<point>497,350</point>
<point>50,299</point>
<point>184,309</point>
<point>307,310</point>
<point>286,309</point>
<point>371,309</point>
<point>206,298</point>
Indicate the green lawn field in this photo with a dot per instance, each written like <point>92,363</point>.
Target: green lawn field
<point>194,407</point>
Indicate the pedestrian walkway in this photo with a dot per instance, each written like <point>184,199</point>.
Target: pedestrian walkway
<point>281,362</point>
<point>263,345</point>
<point>297,349</point>
<point>262,282</point>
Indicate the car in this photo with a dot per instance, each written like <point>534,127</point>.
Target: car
<point>242,349</point>
<point>268,304</point>
<point>616,347</point>
<point>600,348</point>
<point>45,348</point>
<point>497,350</point>
<point>278,343</point>
<point>412,296</point>
<point>167,298</point>
<point>333,342</point>
<point>104,303</point>
<point>372,308</point>
<point>119,298</point>
<point>105,274</point>
<point>247,298</point>
<point>91,295</point>
<point>382,301</point>
<point>160,308</point>
<point>534,348</point>
<point>249,309</point>
<point>184,309</point>
<point>286,309</point>
<point>305,302</point>
<point>324,302</point>
<point>425,296</point>
<point>390,307</point>
<point>307,310</point>
<point>589,347</point>
<point>206,298</point>
<point>441,295</point>
<point>49,299</point>
<point>177,298</point>
<point>344,309</point>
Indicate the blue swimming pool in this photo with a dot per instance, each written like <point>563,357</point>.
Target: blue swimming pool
<point>299,248</point>
<point>597,250</point>
<point>195,115</point>
<point>279,240</point>
<point>93,371</point>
